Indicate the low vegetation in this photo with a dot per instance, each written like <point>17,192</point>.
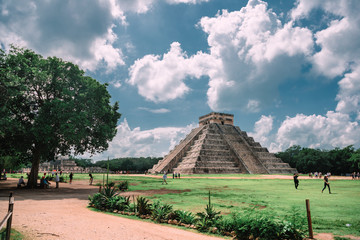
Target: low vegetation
<point>254,224</point>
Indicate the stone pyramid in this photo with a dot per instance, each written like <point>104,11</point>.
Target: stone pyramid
<point>217,146</point>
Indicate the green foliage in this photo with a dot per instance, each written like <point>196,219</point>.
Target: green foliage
<point>330,212</point>
<point>185,216</point>
<point>129,164</point>
<point>337,161</point>
<point>160,211</point>
<point>123,186</point>
<point>143,206</point>
<point>109,191</point>
<point>83,162</point>
<point>257,224</point>
<point>50,107</point>
<point>114,202</point>
<point>14,234</point>
<point>208,218</point>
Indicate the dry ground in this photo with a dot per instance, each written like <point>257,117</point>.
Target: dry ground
<point>63,214</point>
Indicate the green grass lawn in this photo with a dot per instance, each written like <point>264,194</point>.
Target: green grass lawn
<point>330,212</point>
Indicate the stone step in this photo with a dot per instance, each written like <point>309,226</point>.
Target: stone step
<point>276,165</point>
<point>211,170</point>
<point>265,155</point>
<point>215,164</point>
<point>271,160</point>
<point>260,150</point>
<point>282,170</point>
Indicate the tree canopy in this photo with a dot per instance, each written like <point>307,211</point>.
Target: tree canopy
<point>49,107</point>
<point>337,161</point>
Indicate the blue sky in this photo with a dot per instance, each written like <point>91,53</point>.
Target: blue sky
<point>289,71</point>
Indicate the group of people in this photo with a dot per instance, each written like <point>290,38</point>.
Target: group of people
<point>176,175</point>
<point>44,181</point>
<point>318,174</point>
<point>326,181</point>
<point>355,175</point>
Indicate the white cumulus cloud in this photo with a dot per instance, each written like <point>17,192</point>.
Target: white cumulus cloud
<point>135,142</point>
<point>160,79</point>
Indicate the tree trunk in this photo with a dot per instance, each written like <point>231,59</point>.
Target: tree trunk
<point>32,181</point>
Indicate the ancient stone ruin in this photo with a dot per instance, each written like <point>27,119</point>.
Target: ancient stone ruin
<point>217,146</point>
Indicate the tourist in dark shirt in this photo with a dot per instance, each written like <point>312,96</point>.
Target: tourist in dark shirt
<point>296,180</point>
<point>326,184</point>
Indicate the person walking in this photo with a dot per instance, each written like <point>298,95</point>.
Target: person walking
<point>91,179</point>
<point>71,177</point>
<point>164,178</point>
<point>326,184</point>
<point>296,180</point>
<point>57,180</point>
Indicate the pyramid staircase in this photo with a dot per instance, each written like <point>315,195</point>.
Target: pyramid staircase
<point>220,148</point>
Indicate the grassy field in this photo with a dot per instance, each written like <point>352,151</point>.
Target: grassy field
<point>331,213</point>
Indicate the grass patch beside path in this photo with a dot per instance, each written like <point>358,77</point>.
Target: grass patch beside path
<point>332,213</point>
<point>14,235</point>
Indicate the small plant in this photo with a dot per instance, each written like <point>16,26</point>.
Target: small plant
<point>109,191</point>
<point>185,216</point>
<point>160,211</point>
<point>122,203</point>
<point>143,206</point>
<point>123,186</point>
<point>110,184</point>
<point>208,218</point>
<point>96,200</point>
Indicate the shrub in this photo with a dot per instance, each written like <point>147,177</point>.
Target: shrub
<point>208,218</point>
<point>96,200</point>
<point>143,206</point>
<point>121,203</point>
<point>109,191</point>
<point>265,225</point>
<point>123,186</point>
<point>184,216</point>
<point>160,211</point>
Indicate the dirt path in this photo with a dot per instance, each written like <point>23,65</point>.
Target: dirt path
<point>62,214</point>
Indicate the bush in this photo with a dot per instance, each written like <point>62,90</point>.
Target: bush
<point>265,225</point>
<point>185,216</point>
<point>160,211</point>
<point>208,218</point>
<point>109,201</point>
<point>123,186</point>
<point>143,206</point>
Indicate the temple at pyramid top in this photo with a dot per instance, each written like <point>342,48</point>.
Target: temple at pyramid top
<point>220,118</point>
<point>217,146</point>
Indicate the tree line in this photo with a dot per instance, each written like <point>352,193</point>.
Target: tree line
<point>338,161</point>
<point>132,164</point>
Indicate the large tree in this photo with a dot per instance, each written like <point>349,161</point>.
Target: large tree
<point>49,107</point>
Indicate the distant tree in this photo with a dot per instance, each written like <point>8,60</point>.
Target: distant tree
<point>49,107</point>
<point>336,161</point>
<point>84,162</point>
<point>129,164</point>
<point>339,159</point>
<point>289,155</point>
<point>354,161</point>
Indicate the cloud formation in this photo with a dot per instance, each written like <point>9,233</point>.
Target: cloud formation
<point>160,79</point>
<point>251,52</point>
<point>79,31</point>
<point>135,142</point>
